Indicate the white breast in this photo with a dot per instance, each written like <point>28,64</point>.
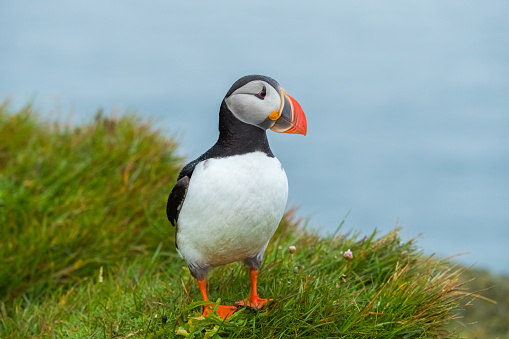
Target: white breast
<point>232,208</point>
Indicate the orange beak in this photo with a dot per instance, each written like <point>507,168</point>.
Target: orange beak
<point>291,116</point>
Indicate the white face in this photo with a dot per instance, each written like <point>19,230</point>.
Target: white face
<point>252,104</point>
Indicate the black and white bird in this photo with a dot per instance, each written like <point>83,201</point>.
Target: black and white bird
<point>227,204</point>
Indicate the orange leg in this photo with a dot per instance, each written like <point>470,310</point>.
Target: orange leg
<point>222,311</point>
<point>254,300</point>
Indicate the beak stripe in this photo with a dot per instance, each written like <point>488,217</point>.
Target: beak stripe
<point>282,94</point>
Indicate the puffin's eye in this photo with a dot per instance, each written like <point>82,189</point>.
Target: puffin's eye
<point>262,93</point>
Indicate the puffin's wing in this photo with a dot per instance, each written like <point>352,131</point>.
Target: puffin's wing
<point>179,191</point>
<point>176,199</point>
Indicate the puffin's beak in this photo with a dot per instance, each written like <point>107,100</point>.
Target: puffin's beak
<point>290,118</point>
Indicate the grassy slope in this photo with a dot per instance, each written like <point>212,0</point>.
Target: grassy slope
<point>86,251</point>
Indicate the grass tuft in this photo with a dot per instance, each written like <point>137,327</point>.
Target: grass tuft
<point>86,252</point>
<point>73,199</point>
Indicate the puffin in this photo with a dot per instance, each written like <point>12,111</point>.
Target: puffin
<point>227,203</point>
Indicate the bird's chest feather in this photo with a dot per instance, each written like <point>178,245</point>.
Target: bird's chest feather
<point>232,208</point>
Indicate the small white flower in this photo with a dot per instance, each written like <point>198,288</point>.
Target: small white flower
<point>348,254</point>
<point>292,249</point>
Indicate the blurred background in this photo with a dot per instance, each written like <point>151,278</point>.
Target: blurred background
<point>407,102</point>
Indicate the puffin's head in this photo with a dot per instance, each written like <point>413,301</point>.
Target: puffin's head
<point>260,101</point>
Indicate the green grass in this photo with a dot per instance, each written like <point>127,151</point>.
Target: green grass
<point>86,252</point>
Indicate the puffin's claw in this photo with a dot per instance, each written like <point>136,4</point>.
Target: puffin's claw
<point>256,302</point>
<point>224,312</point>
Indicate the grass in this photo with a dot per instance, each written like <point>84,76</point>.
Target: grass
<point>86,252</point>
<point>481,317</point>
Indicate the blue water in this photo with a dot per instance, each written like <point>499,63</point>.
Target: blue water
<point>407,103</point>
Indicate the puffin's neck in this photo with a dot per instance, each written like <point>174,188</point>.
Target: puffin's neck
<point>237,137</point>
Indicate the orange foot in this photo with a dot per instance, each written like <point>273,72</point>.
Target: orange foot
<point>222,311</point>
<point>255,302</point>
